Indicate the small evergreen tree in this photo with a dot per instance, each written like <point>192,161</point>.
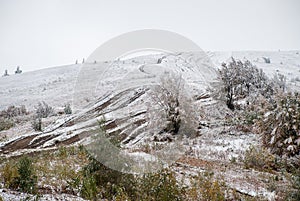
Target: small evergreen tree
<point>26,180</point>
<point>18,71</point>
<point>6,73</point>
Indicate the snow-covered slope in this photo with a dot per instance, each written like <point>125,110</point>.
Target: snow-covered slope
<point>53,85</point>
<point>56,85</point>
<point>114,90</point>
<point>119,91</point>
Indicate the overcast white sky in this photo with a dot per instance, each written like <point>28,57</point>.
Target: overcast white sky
<point>42,33</point>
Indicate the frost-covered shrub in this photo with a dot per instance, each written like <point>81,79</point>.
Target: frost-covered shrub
<point>43,110</point>
<point>5,124</point>
<point>280,81</point>
<point>294,193</point>
<point>242,79</point>
<point>280,126</point>
<point>267,60</point>
<point>259,158</point>
<point>67,109</point>
<point>37,124</point>
<point>171,110</point>
<point>13,111</point>
<point>7,116</point>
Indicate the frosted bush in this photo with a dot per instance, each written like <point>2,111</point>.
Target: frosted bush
<point>267,60</point>
<point>67,109</point>
<point>280,126</point>
<point>242,79</point>
<point>171,110</point>
<point>43,110</point>
<point>13,111</point>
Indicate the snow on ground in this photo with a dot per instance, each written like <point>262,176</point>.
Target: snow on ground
<point>56,85</point>
<point>117,90</point>
<point>225,145</point>
<point>53,85</point>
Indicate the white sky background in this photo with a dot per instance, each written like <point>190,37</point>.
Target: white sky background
<point>42,33</point>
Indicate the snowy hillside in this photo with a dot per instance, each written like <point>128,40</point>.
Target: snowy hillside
<point>120,91</point>
<point>52,84</point>
<point>56,85</point>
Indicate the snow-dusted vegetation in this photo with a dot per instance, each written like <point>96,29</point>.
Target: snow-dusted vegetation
<point>235,116</point>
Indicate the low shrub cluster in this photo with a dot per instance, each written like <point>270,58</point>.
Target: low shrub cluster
<point>5,124</point>
<point>20,176</point>
<point>42,110</point>
<point>9,174</point>
<point>13,111</point>
<point>295,192</point>
<point>7,116</point>
<point>264,107</point>
<point>95,181</point>
<point>260,159</point>
<point>100,182</point>
<point>205,187</point>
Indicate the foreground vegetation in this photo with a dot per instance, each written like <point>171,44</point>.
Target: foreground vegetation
<point>73,171</point>
<point>92,180</point>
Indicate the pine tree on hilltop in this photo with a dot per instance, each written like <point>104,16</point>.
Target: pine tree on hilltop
<point>6,73</point>
<point>18,71</point>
